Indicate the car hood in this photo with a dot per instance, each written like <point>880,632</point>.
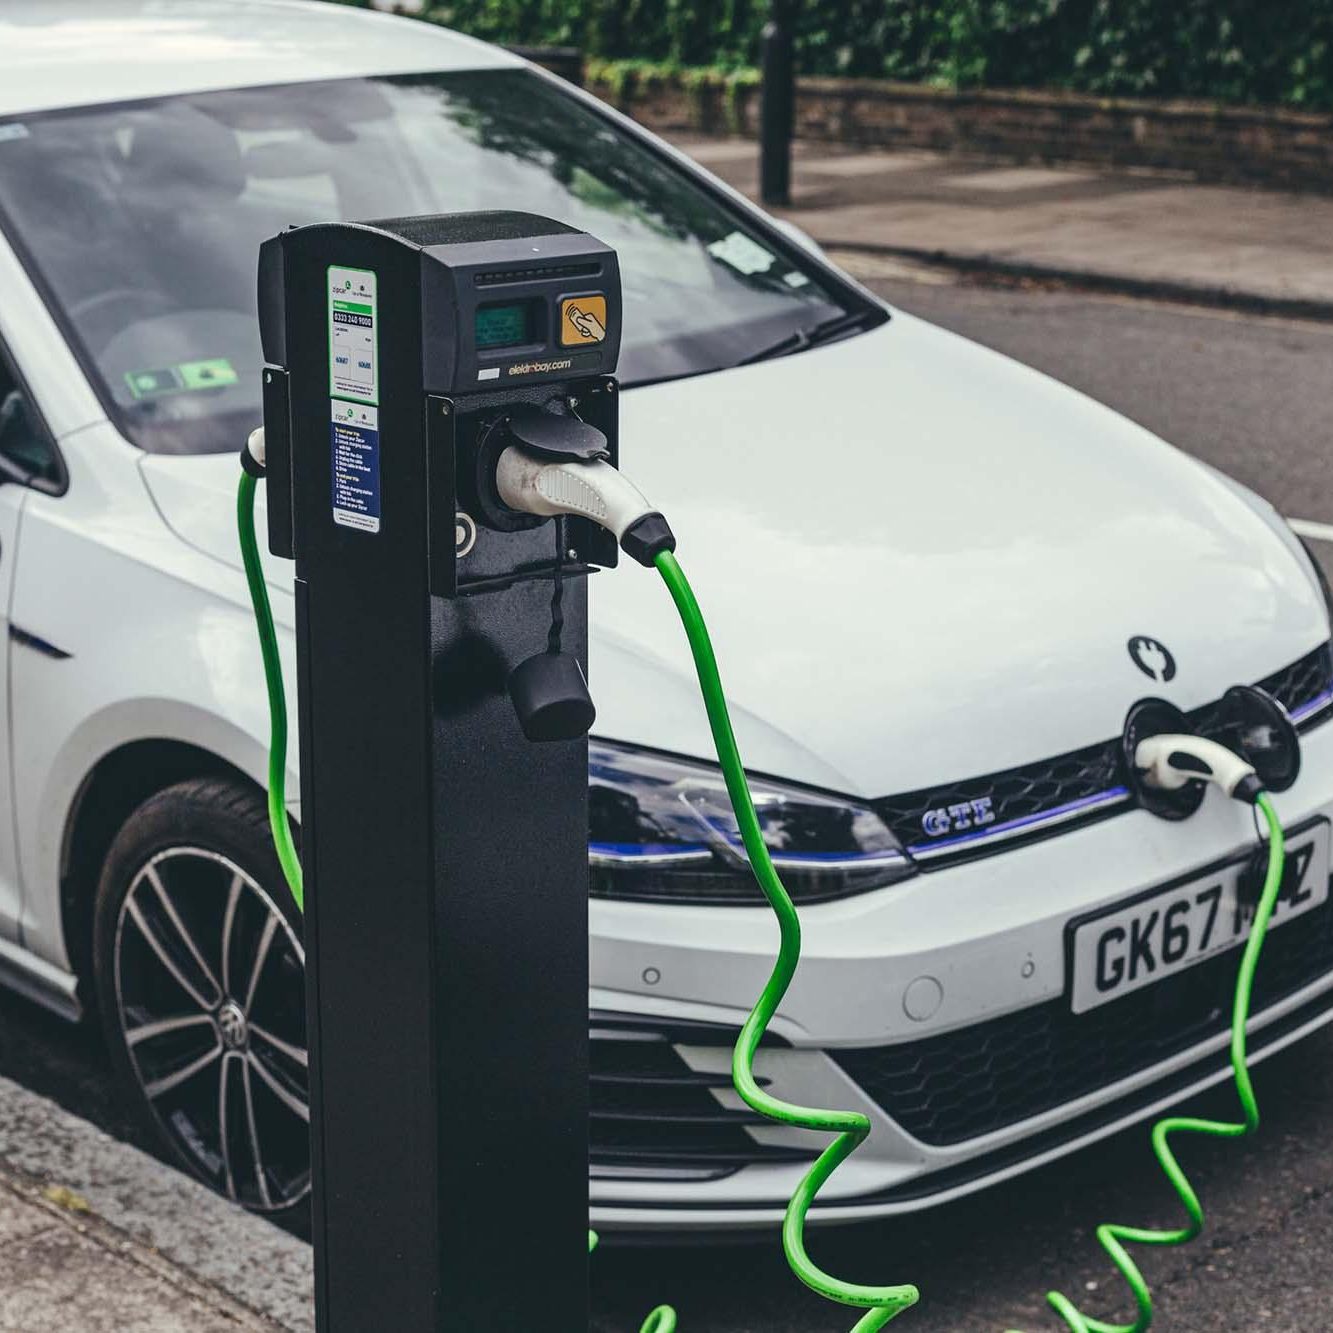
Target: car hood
<point>920,561</point>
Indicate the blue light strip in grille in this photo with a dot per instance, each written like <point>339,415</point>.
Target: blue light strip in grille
<point>1312,706</point>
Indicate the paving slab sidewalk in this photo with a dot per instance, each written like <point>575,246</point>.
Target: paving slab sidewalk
<point>96,1235</point>
<point>1145,232</point>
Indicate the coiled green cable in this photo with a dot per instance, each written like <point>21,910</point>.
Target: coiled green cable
<point>1113,1237</point>
<point>880,1303</point>
<point>277,698</point>
<point>662,1320</point>
<point>885,1303</point>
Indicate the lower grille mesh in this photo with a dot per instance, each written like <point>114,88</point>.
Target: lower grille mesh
<point>654,1116</point>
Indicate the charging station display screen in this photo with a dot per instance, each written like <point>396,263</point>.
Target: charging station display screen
<point>504,325</point>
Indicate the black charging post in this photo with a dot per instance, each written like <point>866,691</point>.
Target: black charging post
<point>445,852</point>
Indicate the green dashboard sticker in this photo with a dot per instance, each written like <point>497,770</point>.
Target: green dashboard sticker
<point>214,374</point>
<point>188,376</point>
<point>151,383</point>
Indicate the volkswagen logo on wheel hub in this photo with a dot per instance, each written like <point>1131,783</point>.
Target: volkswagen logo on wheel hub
<point>232,1027</point>
<point>1152,657</point>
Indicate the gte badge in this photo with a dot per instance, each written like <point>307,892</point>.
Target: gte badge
<point>582,320</point>
<point>957,818</point>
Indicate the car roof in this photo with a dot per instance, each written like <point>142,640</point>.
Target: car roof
<point>56,53</point>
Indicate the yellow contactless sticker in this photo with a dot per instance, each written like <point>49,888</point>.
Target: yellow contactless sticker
<point>582,320</point>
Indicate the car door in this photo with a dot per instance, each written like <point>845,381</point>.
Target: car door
<point>28,459</point>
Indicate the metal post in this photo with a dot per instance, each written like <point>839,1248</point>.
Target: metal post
<point>445,859</point>
<point>777,112</point>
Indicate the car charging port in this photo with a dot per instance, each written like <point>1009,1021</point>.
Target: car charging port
<point>1255,749</point>
<point>1149,718</point>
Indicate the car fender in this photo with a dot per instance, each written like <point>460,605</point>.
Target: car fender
<point>138,637</point>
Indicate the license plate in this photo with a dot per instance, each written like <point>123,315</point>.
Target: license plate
<point>1173,928</point>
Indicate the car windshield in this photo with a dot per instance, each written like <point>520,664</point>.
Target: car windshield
<point>142,222</point>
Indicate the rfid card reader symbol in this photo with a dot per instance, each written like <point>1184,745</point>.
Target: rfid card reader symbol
<point>582,320</point>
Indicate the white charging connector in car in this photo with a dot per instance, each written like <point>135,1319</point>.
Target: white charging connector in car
<point>1170,761</point>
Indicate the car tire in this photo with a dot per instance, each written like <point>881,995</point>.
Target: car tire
<point>199,972</point>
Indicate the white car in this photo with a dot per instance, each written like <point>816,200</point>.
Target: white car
<point>938,583</point>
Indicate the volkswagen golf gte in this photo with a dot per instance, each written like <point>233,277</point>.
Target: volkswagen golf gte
<point>935,604</point>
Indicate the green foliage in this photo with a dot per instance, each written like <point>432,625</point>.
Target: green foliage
<point>1267,51</point>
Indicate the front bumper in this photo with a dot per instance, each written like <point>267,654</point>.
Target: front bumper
<point>984,943</point>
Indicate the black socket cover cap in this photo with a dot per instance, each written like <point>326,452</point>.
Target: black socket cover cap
<point>1260,729</point>
<point>646,537</point>
<point>551,698</point>
<point>556,434</point>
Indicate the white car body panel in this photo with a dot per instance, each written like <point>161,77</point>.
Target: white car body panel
<point>920,561</point>
<point>161,643</point>
<point>895,555</point>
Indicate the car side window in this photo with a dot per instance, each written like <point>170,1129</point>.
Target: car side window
<point>27,454</point>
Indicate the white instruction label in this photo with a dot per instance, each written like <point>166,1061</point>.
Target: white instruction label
<point>354,444</point>
<point>354,352</point>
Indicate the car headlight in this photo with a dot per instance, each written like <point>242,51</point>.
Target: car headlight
<point>661,829</point>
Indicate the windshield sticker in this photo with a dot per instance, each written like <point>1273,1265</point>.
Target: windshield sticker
<point>186,377</point>
<point>353,334</point>
<point>741,253</point>
<point>152,383</point>
<point>796,279</point>
<point>14,130</point>
<point>216,373</point>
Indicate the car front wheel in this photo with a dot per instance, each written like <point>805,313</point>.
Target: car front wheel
<point>200,980</point>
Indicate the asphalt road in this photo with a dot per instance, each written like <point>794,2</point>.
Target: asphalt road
<point>1252,397</point>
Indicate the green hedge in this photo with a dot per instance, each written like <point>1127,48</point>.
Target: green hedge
<point>1265,51</point>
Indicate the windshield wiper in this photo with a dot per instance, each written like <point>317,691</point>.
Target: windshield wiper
<point>825,331</point>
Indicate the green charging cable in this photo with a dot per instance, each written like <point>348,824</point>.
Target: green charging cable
<point>662,1319</point>
<point>851,1127</point>
<point>277,698</point>
<point>886,1303</point>
<point>1113,1237</point>
<point>880,1303</point>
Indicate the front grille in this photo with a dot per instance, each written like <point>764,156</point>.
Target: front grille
<point>963,1084</point>
<point>1076,787</point>
<point>1081,783</point>
<point>655,1117</point>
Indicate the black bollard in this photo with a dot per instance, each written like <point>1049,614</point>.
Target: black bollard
<point>777,111</point>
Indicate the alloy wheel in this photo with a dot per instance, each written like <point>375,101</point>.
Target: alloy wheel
<point>209,984</point>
